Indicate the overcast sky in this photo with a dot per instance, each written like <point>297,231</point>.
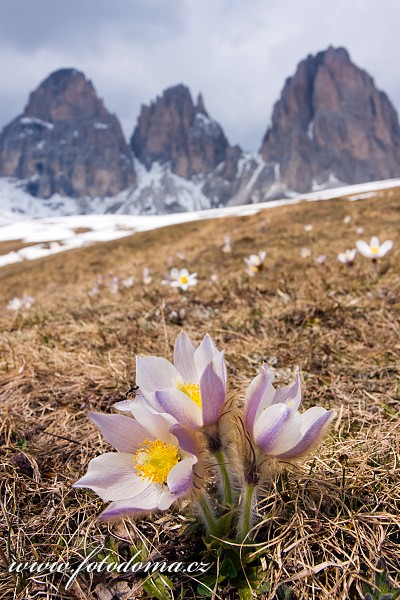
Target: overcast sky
<point>238,53</point>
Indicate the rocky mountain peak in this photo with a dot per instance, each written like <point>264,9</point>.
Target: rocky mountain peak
<point>65,95</point>
<point>66,142</point>
<point>331,122</point>
<point>174,130</point>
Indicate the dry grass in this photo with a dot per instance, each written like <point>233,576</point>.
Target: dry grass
<point>324,524</point>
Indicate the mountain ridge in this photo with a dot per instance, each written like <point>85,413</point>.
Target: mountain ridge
<point>331,125</point>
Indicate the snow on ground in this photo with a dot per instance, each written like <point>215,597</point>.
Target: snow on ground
<point>52,235</point>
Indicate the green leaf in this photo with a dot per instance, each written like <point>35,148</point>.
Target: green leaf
<point>228,568</point>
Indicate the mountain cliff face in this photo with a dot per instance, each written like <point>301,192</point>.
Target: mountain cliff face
<point>66,142</point>
<point>176,131</point>
<point>330,125</point>
<point>332,122</point>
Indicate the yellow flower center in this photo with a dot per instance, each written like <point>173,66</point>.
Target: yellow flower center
<point>184,279</point>
<point>192,390</point>
<point>154,460</point>
<point>374,249</point>
<point>254,268</point>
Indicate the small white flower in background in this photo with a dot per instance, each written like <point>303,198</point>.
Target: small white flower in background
<point>95,291</point>
<point>128,282</point>
<point>359,230</point>
<point>347,219</point>
<point>214,278</point>
<point>147,278</point>
<point>255,263</point>
<point>181,278</point>
<point>181,256</point>
<point>15,304</point>
<point>308,227</point>
<point>374,249</point>
<point>321,259</point>
<point>347,257</point>
<point>24,303</point>
<point>305,252</point>
<point>113,285</point>
<point>227,247</point>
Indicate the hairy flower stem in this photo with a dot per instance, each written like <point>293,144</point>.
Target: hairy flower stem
<point>246,512</point>
<point>207,515</point>
<point>227,495</point>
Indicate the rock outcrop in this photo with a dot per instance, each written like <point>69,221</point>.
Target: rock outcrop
<point>175,131</point>
<point>66,142</point>
<point>332,123</point>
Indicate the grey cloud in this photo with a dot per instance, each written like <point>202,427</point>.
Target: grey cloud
<point>237,52</point>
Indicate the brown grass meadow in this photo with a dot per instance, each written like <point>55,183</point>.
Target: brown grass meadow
<point>328,528</point>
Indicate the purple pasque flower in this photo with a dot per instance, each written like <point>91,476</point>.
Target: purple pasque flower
<point>192,390</point>
<point>154,465</point>
<point>275,424</point>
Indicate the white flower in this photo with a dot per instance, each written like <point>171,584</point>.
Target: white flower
<point>15,304</point>
<point>374,249</point>
<point>113,285</point>
<point>128,282</point>
<point>359,230</point>
<point>94,291</point>
<point>181,278</point>
<point>147,278</point>
<point>227,247</point>
<point>347,219</point>
<point>214,278</point>
<point>321,259</point>
<point>305,252</point>
<point>255,263</point>
<point>152,468</point>
<point>347,257</point>
<point>24,303</point>
<point>27,301</point>
<point>308,227</point>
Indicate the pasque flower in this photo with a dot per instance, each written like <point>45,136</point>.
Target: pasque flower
<point>192,390</point>
<point>347,257</point>
<point>154,465</point>
<point>181,278</point>
<point>24,303</point>
<point>275,424</point>
<point>255,263</point>
<point>374,249</point>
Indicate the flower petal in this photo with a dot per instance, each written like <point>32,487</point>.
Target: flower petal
<point>124,433</point>
<point>219,366</point>
<point>386,246</point>
<point>146,501</point>
<point>113,477</point>
<point>184,358</point>
<point>290,394</point>
<point>314,423</point>
<point>186,438</point>
<point>181,407</point>
<point>165,500</point>
<point>213,393</point>
<point>155,373</point>
<point>363,248</point>
<point>204,354</point>
<point>374,242</point>
<point>180,477</point>
<point>260,388</point>
<point>268,426</point>
<point>157,425</point>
